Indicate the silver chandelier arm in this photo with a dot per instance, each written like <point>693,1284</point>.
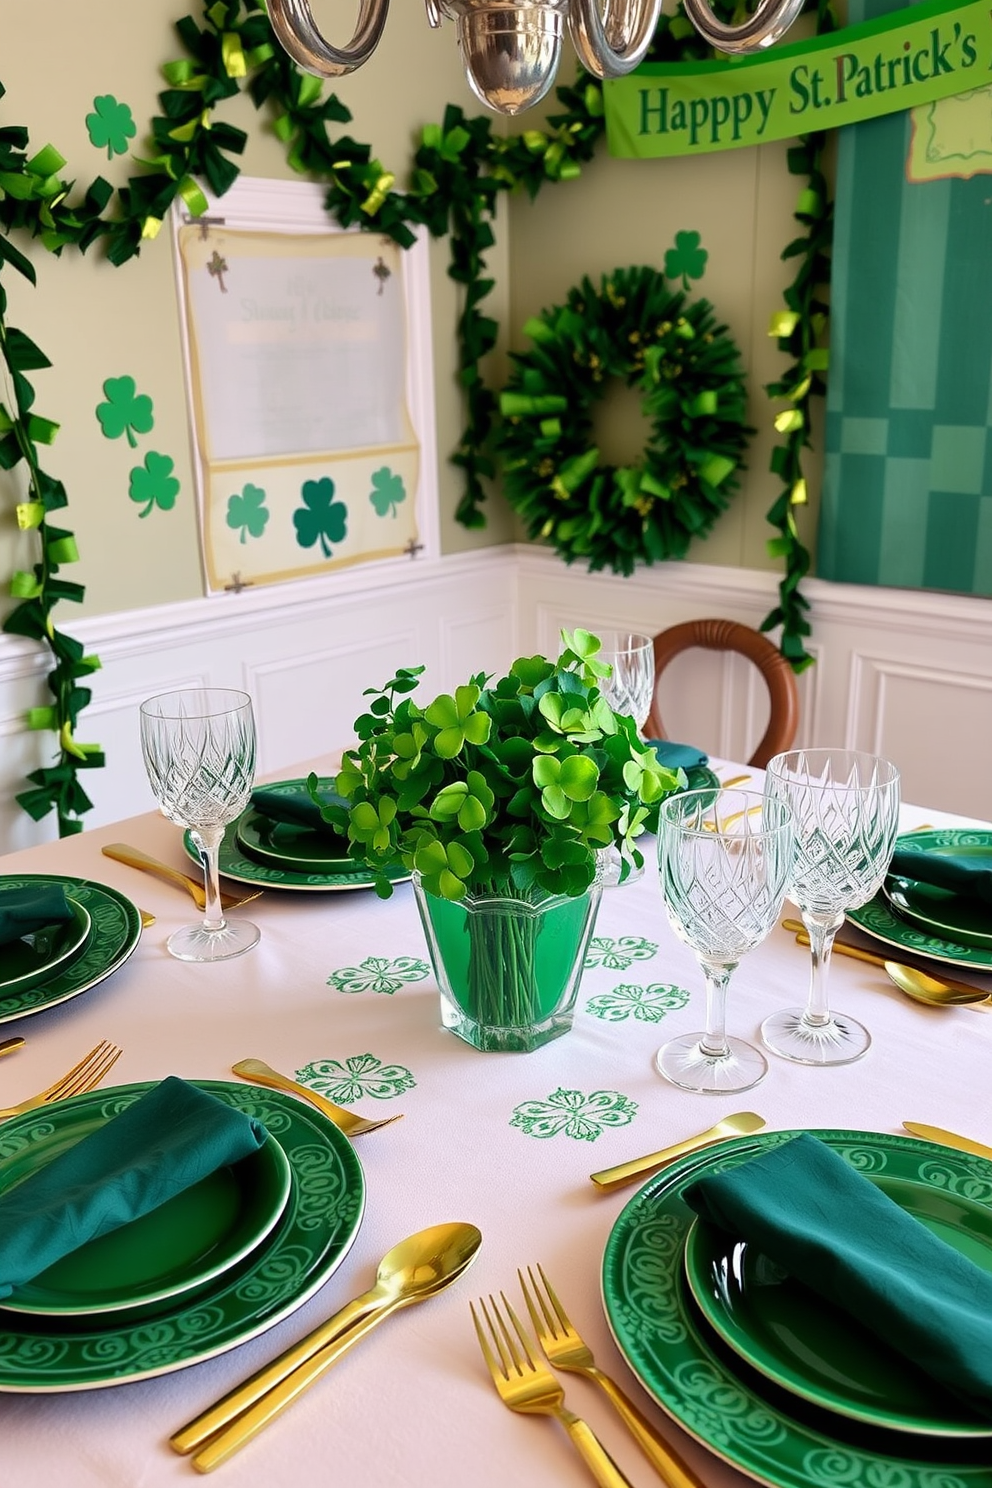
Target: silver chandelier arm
<point>612,45</point>
<point>770,21</point>
<point>296,29</point>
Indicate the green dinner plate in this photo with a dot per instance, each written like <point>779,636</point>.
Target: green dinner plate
<point>285,845</point>
<point>879,919</point>
<point>173,1251</point>
<point>237,865</point>
<point>38,957</point>
<point>115,929</point>
<point>740,1416</point>
<point>940,911</point>
<point>310,1240</point>
<point>785,1331</point>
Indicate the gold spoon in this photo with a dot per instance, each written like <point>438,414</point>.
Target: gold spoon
<point>742,1124</point>
<point>260,1073</point>
<point>934,991</point>
<point>417,1268</point>
<point>9,1045</point>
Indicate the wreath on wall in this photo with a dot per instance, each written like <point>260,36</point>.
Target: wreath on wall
<point>687,372</point>
<point>459,170</point>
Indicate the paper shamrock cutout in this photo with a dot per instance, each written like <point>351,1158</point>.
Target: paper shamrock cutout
<point>125,410</point>
<point>154,483</point>
<point>322,518</point>
<point>112,125</point>
<point>686,260</point>
<point>248,511</point>
<point>387,491</point>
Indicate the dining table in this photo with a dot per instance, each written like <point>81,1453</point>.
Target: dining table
<point>339,993</point>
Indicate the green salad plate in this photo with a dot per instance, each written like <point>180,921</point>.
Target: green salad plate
<point>742,1414</point>
<point>311,1236</point>
<point>172,1252</point>
<point>38,957</point>
<point>887,922</point>
<point>114,932</point>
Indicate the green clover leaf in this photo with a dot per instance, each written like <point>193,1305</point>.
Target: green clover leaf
<point>112,125</point>
<point>686,260</point>
<point>154,483</point>
<point>321,518</point>
<point>248,511</point>
<point>457,722</point>
<point>387,491</point>
<point>125,410</point>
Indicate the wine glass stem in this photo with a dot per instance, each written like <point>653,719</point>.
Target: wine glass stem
<point>714,1041</point>
<point>210,840</point>
<point>822,929</point>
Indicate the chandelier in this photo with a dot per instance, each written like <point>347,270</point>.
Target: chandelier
<point>511,48</point>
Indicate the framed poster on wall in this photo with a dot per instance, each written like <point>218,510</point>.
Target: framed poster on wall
<point>310,388</point>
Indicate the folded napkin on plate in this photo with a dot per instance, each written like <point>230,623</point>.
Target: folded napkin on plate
<point>23,911</point>
<point>834,1230</point>
<point>677,756</point>
<point>970,876</point>
<point>299,809</point>
<point>159,1146</point>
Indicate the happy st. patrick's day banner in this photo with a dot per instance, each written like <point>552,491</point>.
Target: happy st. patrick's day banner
<point>882,66</point>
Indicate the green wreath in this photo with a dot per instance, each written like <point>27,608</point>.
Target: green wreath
<point>688,373</point>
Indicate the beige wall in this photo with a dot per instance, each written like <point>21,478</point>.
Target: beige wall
<point>95,321</point>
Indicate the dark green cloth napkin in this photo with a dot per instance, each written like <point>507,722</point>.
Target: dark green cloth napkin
<point>23,911</point>
<point>677,756</point>
<point>159,1146</point>
<point>834,1230</point>
<point>962,873</point>
<point>299,809</point>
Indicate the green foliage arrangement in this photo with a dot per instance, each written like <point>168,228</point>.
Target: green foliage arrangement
<point>687,371</point>
<point>509,787</point>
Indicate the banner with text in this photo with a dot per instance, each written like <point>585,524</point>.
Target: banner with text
<point>894,62</point>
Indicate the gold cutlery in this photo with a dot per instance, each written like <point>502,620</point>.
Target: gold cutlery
<point>947,1139</point>
<point>525,1384</point>
<point>9,1045</point>
<point>121,853</point>
<point>260,1073</point>
<point>734,780</point>
<point>565,1349</point>
<point>415,1269</point>
<point>935,991</point>
<point>147,918</point>
<point>82,1077</point>
<point>739,1125</point>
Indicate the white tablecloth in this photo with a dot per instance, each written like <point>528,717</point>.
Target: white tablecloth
<point>413,1404</point>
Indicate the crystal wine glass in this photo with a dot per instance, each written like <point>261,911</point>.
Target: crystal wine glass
<point>630,691</point>
<point>846,806</point>
<point>725,858</point>
<point>199,751</point>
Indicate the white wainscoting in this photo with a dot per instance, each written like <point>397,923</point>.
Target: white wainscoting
<point>899,672</point>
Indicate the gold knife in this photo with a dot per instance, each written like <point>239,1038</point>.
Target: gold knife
<point>947,1139</point>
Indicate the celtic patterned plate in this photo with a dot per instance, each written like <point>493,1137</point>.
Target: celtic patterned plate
<point>879,919</point>
<point>237,865</point>
<point>740,1416</point>
<point>315,1233</point>
<point>115,929</point>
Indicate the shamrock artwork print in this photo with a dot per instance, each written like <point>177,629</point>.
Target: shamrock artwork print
<point>309,386</point>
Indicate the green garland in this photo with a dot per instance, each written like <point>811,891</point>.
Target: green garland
<point>688,374</point>
<point>459,171</point>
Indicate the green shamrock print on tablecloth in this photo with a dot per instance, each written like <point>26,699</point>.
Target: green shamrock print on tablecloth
<point>321,518</point>
<point>126,411</point>
<point>583,1117</point>
<point>379,974</point>
<point>361,1074</point>
<point>154,484</point>
<point>686,260</point>
<point>646,1004</point>
<point>387,491</point>
<point>248,511</point>
<point>617,955</point>
<point>111,125</point>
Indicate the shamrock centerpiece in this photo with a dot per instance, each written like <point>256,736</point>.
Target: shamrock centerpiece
<point>499,798</point>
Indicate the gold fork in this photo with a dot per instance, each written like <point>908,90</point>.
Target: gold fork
<point>565,1349</point>
<point>525,1384</point>
<point>121,853</point>
<point>82,1077</point>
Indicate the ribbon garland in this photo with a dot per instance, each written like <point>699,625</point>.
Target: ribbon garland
<point>459,170</point>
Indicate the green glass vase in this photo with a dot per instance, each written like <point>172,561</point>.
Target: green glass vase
<point>508,967</point>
